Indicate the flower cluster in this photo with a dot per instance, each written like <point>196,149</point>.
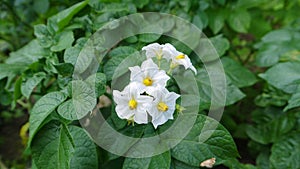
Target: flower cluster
<point>146,98</point>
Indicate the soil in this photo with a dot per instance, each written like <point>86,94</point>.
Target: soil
<point>11,147</point>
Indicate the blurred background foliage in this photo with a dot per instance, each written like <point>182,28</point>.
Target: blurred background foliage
<point>258,40</point>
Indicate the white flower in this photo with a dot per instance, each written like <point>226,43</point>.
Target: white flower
<point>163,105</point>
<point>154,50</point>
<point>148,75</point>
<point>132,105</point>
<point>177,57</point>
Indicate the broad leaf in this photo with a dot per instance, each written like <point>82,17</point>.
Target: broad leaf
<point>83,98</point>
<point>212,48</point>
<point>161,161</point>
<point>239,20</point>
<point>216,20</point>
<point>285,153</point>
<point>42,109</point>
<point>85,154</point>
<point>293,102</point>
<point>28,86</point>
<point>284,76</point>
<point>207,139</point>
<point>71,54</point>
<point>63,40</point>
<point>53,147</point>
<point>233,94</point>
<point>98,83</point>
<point>10,70</point>
<point>271,126</point>
<point>239,75</point>
<point>60,20</point>
<point>28,54</point>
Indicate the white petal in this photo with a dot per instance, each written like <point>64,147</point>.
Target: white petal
<point>124,112</point>
<point>140,116</point>
<point>152,50</point>
<point>148,65</point>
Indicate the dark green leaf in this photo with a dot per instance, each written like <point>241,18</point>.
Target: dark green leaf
<point>83,98</point>
<point>239,20</point>
<point>64,69</point>
<point>207,139</point>
<point>239,75</point>
<point>269,131</point>
<point>233,94</point>
<point>284,76</point>
<point>98,82</point>
<point>42,109</point>
<point>53,147</point>
<point>85,154</point>
<point>28,86</point>
<point>200,20</point>
<point>43,35</point>
<point>60,20</point>
<point>285,153</point>
<point>216,20</point>
<point>41,6</point>
<point>10,70</point>
<point>28,54</point>
<point>293,102</point>
<point>63,40</point>
<point>121,51</point>
<point>161,161</point>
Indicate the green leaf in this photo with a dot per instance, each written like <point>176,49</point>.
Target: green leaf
<point>98,82</point>
<point>85,154</point>
<point>111,65</point>
<point>71,54</point>
<point>293,102</point>
<point>200,20</point>
<point>271,127</point>
<point>220,43</point>
<point>63,40</point>
<point>42,109</point>
<point>64,69</point>
<point>121,51</point>
<point>238,74</point>
<point>28,54</point>
<point>67,111</point>
<point>284,76</point>
<point>161,161</point>
<point>10,70</point>
<point>233,94</point>
<point>212,48</point>
<point>207,139</point>
<point>141,3</point>
<point>53,146</point>
<point>60,20</point>
<point>41,6</point>
<point>278,36</point>
<point>43,35</point>
<point>216,20</point>
<point>175,164</point>
<point>239,20</point>
<point>28,86</point>
<point>285,153</point>
<point>83,98</point>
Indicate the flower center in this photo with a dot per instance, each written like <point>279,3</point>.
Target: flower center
<point>147,81</point>
<point>181,56</point>
<point>132,104</point>
<point>162,106</point>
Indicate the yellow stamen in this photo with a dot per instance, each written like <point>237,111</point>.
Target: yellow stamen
<point>132,104</point>
<point>162,106</point>
<point>147,81</point>
<point>181,56</point>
